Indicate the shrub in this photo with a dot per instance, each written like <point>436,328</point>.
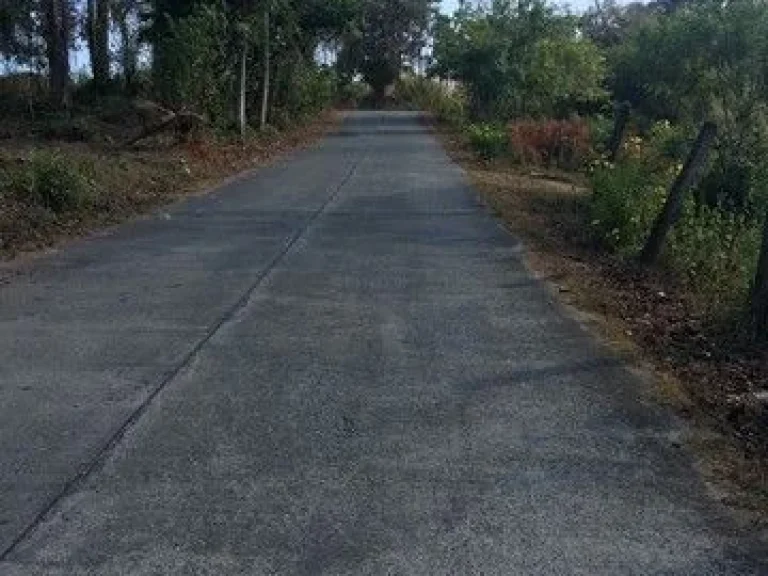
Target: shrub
<point>447,102</point>
<point>669,142</point>
<point>306,91</point>
<point>48,180</point>
<point>625,201</point>
<point>600,130</point>
<point>714,250</point>
<point>351,94</point>
<point>190,67</point>
<point>562,143</point>
<point>717,252</point>
<point>67,129</point>
<point>487,140</point>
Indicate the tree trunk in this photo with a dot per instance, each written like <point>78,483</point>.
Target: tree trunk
<point>760,291</point>
<point>623,111</point>
<point>688,178</point>
<point>242,112</point>
<point>98,40</point>
<point>267,65</point>
<point>129,52</point>
<point>57,40</point>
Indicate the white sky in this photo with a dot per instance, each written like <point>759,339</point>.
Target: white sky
<point>449,6</point>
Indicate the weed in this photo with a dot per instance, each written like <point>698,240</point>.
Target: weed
<point>562,143</point>
<point>487,140</point>
<point>49,180</point>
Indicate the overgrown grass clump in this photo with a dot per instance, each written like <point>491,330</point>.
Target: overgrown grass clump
<point>625,201</point>
<point>49,180</point>
<point>488,141</point>
<point>448,103</point>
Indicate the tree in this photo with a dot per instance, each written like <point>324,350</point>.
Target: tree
<point>21,33</point>
<point>517,59</point>
<point>126,14</point>
<point>391,32</point>
<point>57,16</point>
<point>705,60</point>
<point>97,25</point>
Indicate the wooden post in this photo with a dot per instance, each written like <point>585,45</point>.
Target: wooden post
<point>620,122</point>
<point>267,65</point>
<point>760,290</point>
<point>688,178</point>
<point>243,96</point>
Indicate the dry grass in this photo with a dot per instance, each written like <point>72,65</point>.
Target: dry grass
<point>648,316</point>
<point>133,181</point>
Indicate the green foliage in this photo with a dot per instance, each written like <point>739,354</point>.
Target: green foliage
<point>390,33</point>
<point>625,201</point>
<point>487,140</point>
<point>600,130</point>
<point>565,73</point>
<point>48,180</point>
<point>351,94</point>
<point>713,250</point>
<point>191,64</point>
<point>717,252</point>
<point>447,103</point>
<point>519,59</point>
<point>310,90</point>
<point>668,143</point>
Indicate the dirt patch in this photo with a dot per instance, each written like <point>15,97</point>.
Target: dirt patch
<point>703,368</point>
<point>131,181</point>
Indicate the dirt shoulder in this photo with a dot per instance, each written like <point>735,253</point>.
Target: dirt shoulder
<point>126,182</point>
<point>698,367</point>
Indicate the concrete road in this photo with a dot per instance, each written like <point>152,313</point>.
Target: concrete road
<point>337,366</point>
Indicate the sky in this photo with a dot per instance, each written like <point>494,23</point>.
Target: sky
<point>449,6</point>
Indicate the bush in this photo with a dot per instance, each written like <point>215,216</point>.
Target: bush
<point>487,140</point>
<point>351,94</point>
<point>48,180</point>
<point>562,143</point>
<point>305,92</point>
<point>600,130</point>
<point>625,201</point>
<point>67,129</point>
<point>191,65</point>
<point>717,251</point>
<point>447,102</point>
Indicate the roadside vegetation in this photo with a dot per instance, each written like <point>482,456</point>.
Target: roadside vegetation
<point>176,94</point>
<point>628,145</point>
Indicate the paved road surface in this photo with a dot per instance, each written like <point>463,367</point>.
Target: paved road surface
<point>338,366</point>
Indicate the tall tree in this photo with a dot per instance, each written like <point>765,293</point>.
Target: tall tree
<point>393,31</point>
<point>21,34</point>
<point>126,14</point>
<point>57,16</point>
<point>97,24</point>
